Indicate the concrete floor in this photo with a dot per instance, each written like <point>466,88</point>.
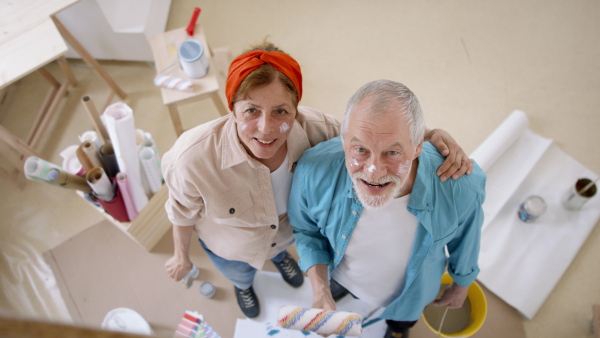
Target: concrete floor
<point>471,63</point>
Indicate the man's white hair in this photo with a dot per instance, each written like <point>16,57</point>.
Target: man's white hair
<point>383,93</point>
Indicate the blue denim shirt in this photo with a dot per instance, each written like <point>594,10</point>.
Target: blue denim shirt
<point>324,209</point>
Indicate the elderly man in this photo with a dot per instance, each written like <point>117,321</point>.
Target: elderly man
<point>369,211</point>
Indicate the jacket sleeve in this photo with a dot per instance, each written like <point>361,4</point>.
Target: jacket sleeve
<point>312,246</point>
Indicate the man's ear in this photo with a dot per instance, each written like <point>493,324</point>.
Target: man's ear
<point>418,150</point>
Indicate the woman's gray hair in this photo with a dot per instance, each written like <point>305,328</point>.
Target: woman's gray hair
<point>382,94</point>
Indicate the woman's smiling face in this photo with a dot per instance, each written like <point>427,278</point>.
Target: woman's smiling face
<point>264,121</point>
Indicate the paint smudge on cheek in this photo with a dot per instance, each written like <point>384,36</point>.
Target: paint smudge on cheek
<point>284,127</point>
<point>353,162</point>
<point>403,168</point>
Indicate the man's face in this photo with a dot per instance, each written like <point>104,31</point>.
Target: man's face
<point>379,154</point>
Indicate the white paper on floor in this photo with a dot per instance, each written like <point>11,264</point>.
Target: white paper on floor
<point>274,293</point>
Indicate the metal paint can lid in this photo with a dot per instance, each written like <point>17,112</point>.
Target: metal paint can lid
<point>207,289</point>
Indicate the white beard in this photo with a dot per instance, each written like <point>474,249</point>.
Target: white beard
<point>375,201</point>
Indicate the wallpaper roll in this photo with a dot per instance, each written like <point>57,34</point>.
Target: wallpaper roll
<point>115,207</point>
<point>109,159</point>
<point>500,139</point>
<point>93,153</point>
<point>71,163</point>
<point>91,136</point>
<point>84,159</point>
<point>37,169</point>
<point>118,118</point>
<point>124,190</point>
<point>64,179</point>
<point>149,142</point>
<point>100,184</point>
<point>320,321</point>
<point>151,169</point>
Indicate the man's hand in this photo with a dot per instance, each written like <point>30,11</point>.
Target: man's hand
<point>178,267</point>
<point>457,163</point>
<point>453,297</point>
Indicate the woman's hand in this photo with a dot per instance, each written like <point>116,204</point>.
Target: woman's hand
<point>178,267</point>
<point>457,163</point>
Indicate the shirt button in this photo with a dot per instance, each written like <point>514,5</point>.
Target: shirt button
<point>343,236</point>
<point>353,212</point>
<point>338,252</point>
<point>273,226</point>
<point>273,245</point>
<point>232,211</point>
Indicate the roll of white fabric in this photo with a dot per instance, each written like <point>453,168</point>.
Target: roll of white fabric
<point>320,321</point>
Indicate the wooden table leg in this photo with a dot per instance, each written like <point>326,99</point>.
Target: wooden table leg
<point>176,119</point>
<point>64,65</point>
<point>216,98</point>
<point>88,58</point>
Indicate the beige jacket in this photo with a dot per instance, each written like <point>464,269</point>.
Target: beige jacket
<point>215,186</point>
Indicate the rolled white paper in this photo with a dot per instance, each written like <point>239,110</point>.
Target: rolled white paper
<point>91,136</point>
<point>151,170</point>
<point>71,163</point>
<point>320,321</point>
<point>500,139</point>
<point>100,184</point>
<point>118,119</point>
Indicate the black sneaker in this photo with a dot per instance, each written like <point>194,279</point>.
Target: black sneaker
<point>389,333</point>
<point>290,271</point>
<point>248,302</point>
<point>337,290</point>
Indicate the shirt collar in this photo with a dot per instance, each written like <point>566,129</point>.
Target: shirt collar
<point>420,196</point>
<point>232,150</point>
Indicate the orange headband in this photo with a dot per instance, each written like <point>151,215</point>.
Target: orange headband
<point>246,63</point>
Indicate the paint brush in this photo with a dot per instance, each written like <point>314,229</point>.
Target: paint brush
<point>588,186</point>
<point>192,25</point>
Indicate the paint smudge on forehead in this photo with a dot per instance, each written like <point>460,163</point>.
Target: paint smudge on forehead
<point>284,127</point>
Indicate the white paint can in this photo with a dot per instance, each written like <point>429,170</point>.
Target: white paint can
<point>193,59</point>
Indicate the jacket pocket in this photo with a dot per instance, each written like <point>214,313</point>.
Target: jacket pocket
<point>234,209</point>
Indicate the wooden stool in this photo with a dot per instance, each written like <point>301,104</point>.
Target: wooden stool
<point>164,49</point>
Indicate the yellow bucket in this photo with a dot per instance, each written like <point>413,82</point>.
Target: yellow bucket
<point>477,315</point>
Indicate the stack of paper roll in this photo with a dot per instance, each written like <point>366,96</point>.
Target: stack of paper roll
<point>110,166</point>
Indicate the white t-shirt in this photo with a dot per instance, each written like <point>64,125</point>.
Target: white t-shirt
<point>281,181</point>
<point>374,265</point>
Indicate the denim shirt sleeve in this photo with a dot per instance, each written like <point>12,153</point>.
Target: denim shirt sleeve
<point>311,245</point>
<point>464,248</point>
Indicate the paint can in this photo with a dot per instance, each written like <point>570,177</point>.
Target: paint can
<point>207,289</point>
<point>578,195</point>
<point>531,209</point>
<point>193,59</point>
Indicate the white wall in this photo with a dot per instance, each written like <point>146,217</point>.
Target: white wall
<point>116,30</point>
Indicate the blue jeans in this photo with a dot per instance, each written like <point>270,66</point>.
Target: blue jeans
<point>241,274</point>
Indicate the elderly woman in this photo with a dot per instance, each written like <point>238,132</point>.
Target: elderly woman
<point>229,179</point>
